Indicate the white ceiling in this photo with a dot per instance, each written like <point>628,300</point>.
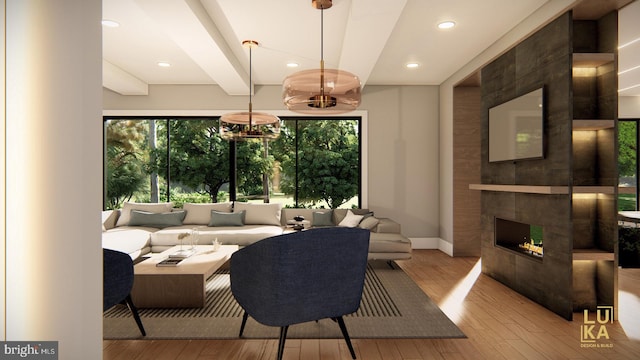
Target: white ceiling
<point>374,39</point>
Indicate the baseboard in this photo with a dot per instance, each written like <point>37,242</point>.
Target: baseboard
<point>432,243</point>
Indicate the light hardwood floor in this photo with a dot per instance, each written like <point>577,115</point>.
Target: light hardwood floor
<point>498,322</point>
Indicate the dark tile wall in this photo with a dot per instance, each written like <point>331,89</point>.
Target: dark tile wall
<point>542,60</point>
<point>572,158</point>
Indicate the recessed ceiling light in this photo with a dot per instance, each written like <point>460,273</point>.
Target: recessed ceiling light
<point>446,25</point>
<point>163,64</point>
<point>412,65</point>
<point>292,65</point>
<point>110,23</point>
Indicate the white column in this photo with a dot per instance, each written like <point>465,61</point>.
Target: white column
<point>54,174</point>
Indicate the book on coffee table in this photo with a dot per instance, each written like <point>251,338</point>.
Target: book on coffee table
<point>182,254</point>
<point>169,262</point>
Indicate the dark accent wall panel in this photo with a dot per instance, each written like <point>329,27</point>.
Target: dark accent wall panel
<point>542,60</point>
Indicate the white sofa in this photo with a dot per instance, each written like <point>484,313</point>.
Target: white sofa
<point>139,228</point>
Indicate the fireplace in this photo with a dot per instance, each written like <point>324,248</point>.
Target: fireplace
<point>524,239</point>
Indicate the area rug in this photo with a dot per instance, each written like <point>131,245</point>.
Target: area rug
<point>393,306</point>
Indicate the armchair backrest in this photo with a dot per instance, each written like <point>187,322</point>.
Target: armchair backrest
<point>302,276</point>
<point>117,277</point>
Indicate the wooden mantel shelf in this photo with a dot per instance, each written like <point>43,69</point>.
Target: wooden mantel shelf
<point>532,189</point>
<point>543,189</point>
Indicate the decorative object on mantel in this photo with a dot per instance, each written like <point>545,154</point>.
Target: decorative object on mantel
<point>321,91</point>
<point>249,124</point>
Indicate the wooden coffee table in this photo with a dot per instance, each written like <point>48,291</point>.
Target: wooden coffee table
<point>179,286</point>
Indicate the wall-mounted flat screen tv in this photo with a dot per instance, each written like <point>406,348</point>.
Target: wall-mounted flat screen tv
<point>516,128</point>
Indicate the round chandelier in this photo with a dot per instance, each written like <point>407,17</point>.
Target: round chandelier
<point>321,91</point>
<point>249,124</point>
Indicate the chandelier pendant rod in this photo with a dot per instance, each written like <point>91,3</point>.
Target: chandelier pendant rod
<point>250,92</point>
<point>322,105</point>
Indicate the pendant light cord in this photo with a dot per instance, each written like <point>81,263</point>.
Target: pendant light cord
<point>250,95</point>
<point>322,53</point>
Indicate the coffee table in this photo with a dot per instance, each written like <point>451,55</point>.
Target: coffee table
<point>178,286</point>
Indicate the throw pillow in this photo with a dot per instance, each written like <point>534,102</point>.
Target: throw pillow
<point>350,220</point>
<point>322,218</point>
<point>369,222</point>
<point>156,220</point>
<point>259,214</point>
<point>200,214</point>
<point>227,219</point>
<point>125,212</point>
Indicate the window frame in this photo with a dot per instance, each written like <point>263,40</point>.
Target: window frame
<point>360,115</point>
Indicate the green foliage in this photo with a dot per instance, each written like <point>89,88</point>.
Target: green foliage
<point>252,164</point>
<point>328,159</point>
<point>199,156</point>
<point>125,160</point>
<point>627,148</point>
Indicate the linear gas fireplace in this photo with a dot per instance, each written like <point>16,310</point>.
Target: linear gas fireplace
<point>525,239</point>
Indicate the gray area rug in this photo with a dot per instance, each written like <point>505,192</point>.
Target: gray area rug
<point>393,306</point>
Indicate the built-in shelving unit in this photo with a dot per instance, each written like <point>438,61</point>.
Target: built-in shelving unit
<point>571,193</point>
<point>594,126</point>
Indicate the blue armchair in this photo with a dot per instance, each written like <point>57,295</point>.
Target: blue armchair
<point>302,276</point>
<point>117,282</point>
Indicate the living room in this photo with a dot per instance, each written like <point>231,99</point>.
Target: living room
<point>408,154</point>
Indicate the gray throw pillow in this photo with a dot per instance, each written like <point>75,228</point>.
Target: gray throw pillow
<point>369,222</point>
<point>227,219</point>
<point>156,220</point>
<point>322,218</point>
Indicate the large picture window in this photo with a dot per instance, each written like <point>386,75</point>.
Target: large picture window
<point>314,163</point>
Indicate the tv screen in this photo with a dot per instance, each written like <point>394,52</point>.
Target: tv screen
<point>516,128</point>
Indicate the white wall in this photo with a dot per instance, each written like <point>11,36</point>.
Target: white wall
<point>53,185</point>
<point>402,141</point>
<point>629,107</point>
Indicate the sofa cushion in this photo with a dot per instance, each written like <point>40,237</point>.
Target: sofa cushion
<point>389,243</point>
<point>242,236</point>
<point>369,223</point>
<point>129,240</point>
<point>227,219</point>
<point>322,218</point>
<point>200,214</point>
<point>339,214</point>
<point>156,220</point>
<point>125,212</point>
<point>109,219</point>
<point>259,214</point>
<point>351,220</point>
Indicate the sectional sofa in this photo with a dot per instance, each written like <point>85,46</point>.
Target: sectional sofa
<point>140,228</point>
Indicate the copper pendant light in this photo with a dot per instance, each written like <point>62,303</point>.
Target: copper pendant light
<point>321,91</point>
<point>249,124</point>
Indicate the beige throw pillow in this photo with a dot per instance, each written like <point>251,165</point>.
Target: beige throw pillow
<point>125,212</point>
<point>259,214</point>
<point>350,220</point>
<point>200,214</point>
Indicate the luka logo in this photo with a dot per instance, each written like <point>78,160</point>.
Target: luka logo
<point>593,331</point>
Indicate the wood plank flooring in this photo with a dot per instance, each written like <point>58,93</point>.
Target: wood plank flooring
<point>499,324</point>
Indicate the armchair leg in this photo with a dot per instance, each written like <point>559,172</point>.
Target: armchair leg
<point>134,312</point>
<point>345,333</point>
<point>283,338</point>
<point>245,316</point>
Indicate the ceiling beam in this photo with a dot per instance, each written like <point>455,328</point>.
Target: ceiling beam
<point>187,23</point>
<point>120,81</point>
<point>367,32</point>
